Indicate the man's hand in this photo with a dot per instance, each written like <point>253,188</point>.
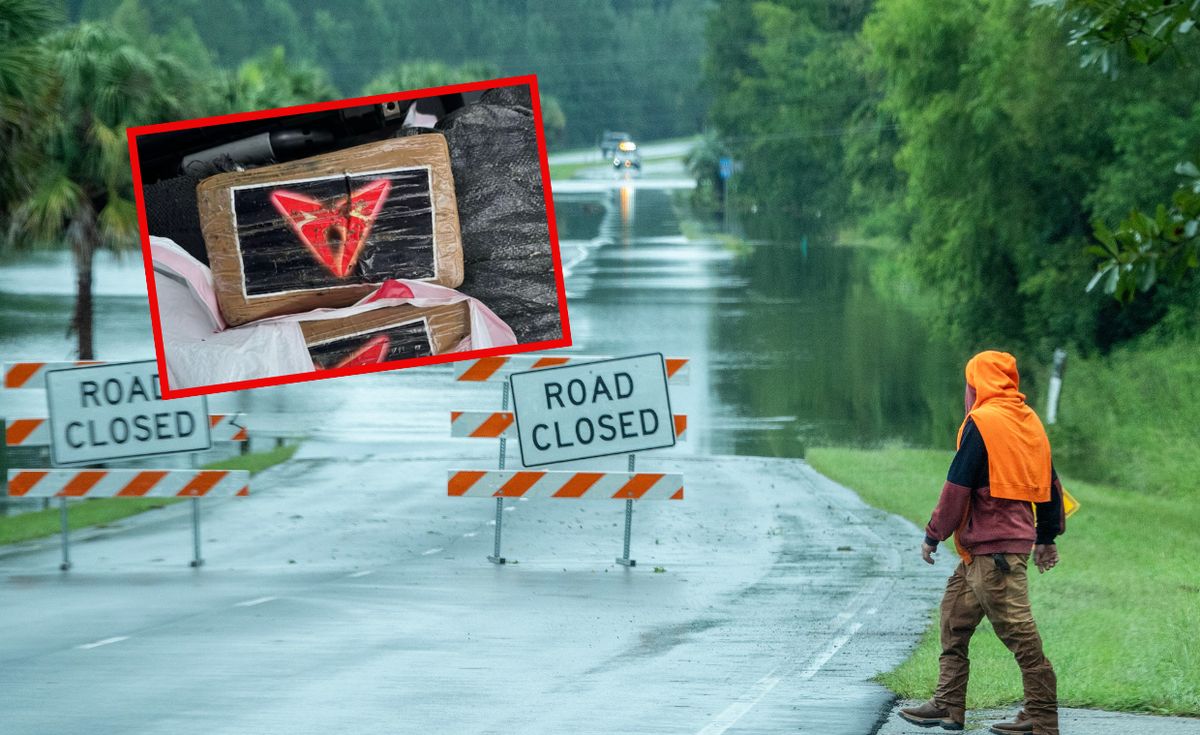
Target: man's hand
<point>928,551</point>
<point>1045,556</point>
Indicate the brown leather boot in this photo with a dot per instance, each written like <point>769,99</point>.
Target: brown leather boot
<point>930,715</point>
<point>1021,724</point>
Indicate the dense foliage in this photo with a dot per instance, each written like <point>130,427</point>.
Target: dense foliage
<point>622,64</point>
<point>969,132</point>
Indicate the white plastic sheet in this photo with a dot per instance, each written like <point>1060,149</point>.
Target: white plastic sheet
<point>201,351</point>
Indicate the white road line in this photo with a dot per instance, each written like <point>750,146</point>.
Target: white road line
<point>510,508</point>
<point>734,712</point>
<point>823,657</point>
<point>105,642</point>
<point>472,534</point>
<point>255,601</point>
<point>744,704</point>
<point>431,551</point>
<point>363,573</point>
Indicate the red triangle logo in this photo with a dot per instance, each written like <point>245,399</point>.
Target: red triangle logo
<point>373,352</point>
<point>334,234</point>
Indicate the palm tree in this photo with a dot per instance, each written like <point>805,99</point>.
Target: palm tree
<point>81,189</point>
<point>24,82</point>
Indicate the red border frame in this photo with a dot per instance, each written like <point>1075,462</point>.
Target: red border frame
<point>167,392</point>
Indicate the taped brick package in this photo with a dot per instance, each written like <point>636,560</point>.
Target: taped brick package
<point>386,334</point>
<point>324,231</point>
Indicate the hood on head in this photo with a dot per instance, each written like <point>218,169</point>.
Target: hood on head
<point>991,375</point>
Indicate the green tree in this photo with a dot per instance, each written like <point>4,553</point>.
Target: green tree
<point>788,81</point>
<point>612,64</point>
<point>998,155</point>
<point>271,80</point>
<point>81,192</point>
<point>422,74</point>
<point>703,162</point>
<point>1144,29</point>
<point>1143,250</point>
<point>25,76</point>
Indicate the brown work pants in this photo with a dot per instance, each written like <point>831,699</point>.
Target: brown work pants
<point>979,589</point>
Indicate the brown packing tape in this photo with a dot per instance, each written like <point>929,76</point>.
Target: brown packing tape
<point>447,326</point>
<point>276,257</point>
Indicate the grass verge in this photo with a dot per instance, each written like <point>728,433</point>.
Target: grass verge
<point>28,526</point>
<point>1119,615</point>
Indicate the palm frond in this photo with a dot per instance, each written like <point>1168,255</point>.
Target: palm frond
<point>118,222</point>
<point>41,218</point>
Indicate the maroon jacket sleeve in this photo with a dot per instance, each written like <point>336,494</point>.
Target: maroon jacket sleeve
<point>966,472</point>
<point>951,508</point>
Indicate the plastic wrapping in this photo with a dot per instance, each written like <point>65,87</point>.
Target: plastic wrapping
<point>201,352</point>
<point>325,231</point>
<point>386,334</point>
<point>502,207</point>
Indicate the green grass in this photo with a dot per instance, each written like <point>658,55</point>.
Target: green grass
<point>1120,615</point>
<point>83,514</point>
<point>1130,419</point>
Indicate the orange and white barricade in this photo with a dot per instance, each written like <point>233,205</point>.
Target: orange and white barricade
<point>229,427</point>
<point>18,375</point>
<point>501,483</point>
<point>125,483</point>
<point>564,484</point>
<point>85,483</point>
<point>62,483</point>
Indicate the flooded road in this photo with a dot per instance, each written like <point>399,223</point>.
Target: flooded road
<point>348,593</point>
<point>792,345</point>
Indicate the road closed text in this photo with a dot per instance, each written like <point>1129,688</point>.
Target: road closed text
<point>116,411</point>
<point>592,409</point>
<point>611,390</point>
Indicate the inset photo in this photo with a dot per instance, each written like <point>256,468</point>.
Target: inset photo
<point>348,237</point>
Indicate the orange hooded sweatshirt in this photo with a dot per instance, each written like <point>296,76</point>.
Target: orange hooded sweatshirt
<point>1001,470</point>
<point>1017,447</point>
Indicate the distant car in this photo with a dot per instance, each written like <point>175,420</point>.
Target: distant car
<point>626,158</point>
<point>610,141</point>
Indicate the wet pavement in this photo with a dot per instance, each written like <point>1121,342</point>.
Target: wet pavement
<point>349,594</point>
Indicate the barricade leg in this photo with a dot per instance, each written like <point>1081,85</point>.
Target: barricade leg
<point>625,560</point>
<point>495,558</point>
<point>196,560</point>
<point>66,535</point>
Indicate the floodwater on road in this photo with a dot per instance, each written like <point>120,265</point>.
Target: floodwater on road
<point>791,345</point>
<point>348,593</point>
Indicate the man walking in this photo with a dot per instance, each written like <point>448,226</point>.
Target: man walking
<point>1001,473</point>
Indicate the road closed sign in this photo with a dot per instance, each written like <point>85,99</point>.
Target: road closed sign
<point>115,411</point>
<point>592,409</point>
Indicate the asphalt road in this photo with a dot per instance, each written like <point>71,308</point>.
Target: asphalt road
<point>348,594</point>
